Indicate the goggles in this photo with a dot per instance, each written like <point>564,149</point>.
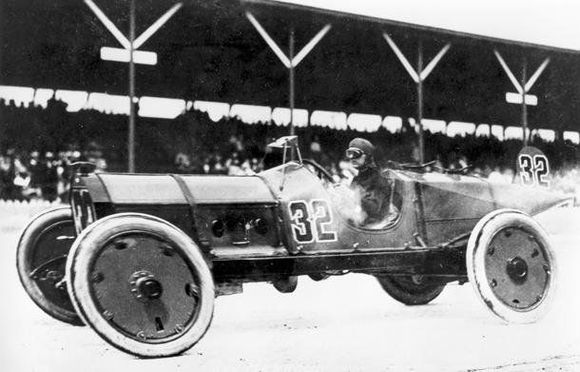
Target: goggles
<point>354,154</point>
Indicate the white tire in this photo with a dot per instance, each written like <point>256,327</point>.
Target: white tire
<point>511,266</point>
<point>142,284</point>
<point>40,260</point>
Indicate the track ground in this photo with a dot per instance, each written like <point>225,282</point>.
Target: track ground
<point>341,324</point>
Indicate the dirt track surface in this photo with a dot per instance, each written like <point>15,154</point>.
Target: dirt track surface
<point>342,324</point>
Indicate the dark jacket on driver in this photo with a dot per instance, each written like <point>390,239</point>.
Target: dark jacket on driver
<point>375,193</point>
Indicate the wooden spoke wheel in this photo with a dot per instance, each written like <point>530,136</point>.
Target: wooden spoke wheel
<point>141,284</point>
<point>41,259</point>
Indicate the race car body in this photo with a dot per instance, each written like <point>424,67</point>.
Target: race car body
<point>151,250</point>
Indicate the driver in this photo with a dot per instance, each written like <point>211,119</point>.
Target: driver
<point>373,188</point>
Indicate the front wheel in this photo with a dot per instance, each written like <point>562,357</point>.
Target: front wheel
<point>412,289</point>
<point>142,284</point>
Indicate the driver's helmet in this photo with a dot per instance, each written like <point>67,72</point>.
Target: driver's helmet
<point>359,146</point>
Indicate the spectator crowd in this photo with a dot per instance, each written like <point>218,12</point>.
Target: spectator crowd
<point>38,145</point>
<point>45,176</point>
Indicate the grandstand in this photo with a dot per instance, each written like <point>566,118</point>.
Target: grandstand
<point>218,91</point>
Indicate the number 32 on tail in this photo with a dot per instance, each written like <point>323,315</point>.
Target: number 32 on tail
<point>533,167</point>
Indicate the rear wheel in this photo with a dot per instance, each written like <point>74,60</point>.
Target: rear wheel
<point>142,284</point>
<point>285,284</point>
<point>411,289</point>
<point>41,259</point>
<point>317,277</point>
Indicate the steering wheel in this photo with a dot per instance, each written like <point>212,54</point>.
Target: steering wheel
<point>319,171</point>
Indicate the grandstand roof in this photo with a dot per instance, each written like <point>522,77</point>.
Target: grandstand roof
<point>210,51</point>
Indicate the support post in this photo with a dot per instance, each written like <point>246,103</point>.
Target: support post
<point>130,53</point>
<point>291,61</point>
<point>420,104</point>
<point>418,77</point>
<point>131,134</point>
<point>291,83</point>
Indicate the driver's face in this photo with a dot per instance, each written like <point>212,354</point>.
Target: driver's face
<point>359,162</point>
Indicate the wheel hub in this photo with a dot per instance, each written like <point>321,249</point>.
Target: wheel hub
<point>149,288</point>
<point>517,270</point>
<point>145,287</point>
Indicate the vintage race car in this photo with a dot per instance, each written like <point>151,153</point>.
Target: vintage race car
<point>141,257</point>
